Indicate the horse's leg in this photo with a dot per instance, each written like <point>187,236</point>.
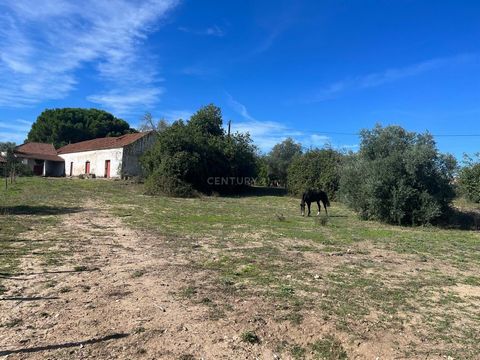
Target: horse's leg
<point>325,206</point>
<point>308,204</point>
<point>318,204</point>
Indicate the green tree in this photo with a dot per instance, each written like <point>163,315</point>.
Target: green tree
<point>469,178</point>
<point>70,125</point>
<point>208,120</point>
<point>12,166</point>
<point>316,169</point>
<point>196,156</point>
<point>280,158</point>
<point>398,177</point>
<point>262,170</point>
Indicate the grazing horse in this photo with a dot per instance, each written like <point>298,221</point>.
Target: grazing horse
<point>310,196</point>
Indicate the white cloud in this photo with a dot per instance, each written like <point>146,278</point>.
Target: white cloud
<point>16,126</point>
<point>239,108</point>
<point>388,76</point>
<point>15,130</point>
<point>43,46</point>
<point>213,30</point>
<point>173,115</point>
<point>123,102</point>
<point>266,134</point>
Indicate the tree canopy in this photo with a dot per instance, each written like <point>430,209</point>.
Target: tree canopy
<point>398,177</point>
<point>469,179</point>
<point>315,169</point>
<point>198,156</point>
<point>70,125</point>
<point>280,158</point>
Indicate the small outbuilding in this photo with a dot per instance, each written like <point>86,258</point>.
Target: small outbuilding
<point>110,157</point>
<point>41,158</point>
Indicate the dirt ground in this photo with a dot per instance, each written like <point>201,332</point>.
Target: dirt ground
<point>120,295</point>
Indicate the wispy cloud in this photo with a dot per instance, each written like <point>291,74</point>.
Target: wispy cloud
<point>173,115</point>
<point>122,102</point>
<point>15,126</point>
<point>43,46</point>
<point>15,130</point>
<point>239,108</point>
<point>266,134</point>
<point>213,30</point>
<point>372,80</point>
<point>275,23</point>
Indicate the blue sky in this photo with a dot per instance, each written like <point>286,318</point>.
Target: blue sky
<point>318,71</point>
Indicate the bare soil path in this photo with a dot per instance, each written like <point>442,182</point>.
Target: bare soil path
<point>126,294</point>
<point>116,297</point>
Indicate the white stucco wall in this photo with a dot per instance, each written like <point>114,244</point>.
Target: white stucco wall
<point>97,160</point>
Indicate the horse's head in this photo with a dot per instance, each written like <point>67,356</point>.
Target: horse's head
<point>302,207</point>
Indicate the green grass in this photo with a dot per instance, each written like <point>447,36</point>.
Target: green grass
<point>346,269</point>
<point>250,337</point>
<point>329,348</point>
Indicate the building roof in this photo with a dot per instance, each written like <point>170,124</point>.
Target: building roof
<point>102,143</point>
<point>40,151</point>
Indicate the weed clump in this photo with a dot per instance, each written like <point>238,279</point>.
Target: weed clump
<point>250,337</point>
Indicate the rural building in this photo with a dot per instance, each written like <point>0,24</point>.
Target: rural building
<point>41,158</point>
<point>110,157</point>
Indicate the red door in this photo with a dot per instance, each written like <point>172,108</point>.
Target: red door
<point>107,168</point>
<point>87,167</point>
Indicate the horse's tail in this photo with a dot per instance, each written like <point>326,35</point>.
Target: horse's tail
<point>327,202</point>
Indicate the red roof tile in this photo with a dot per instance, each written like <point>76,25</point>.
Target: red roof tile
<point>102,143</point>
<point>36,148</point>
<point>40,151</point>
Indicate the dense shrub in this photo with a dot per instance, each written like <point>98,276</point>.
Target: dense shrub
<point>197,156</point>
<point>398,177</point>
<point>469,179</point>
<point>316,169</point>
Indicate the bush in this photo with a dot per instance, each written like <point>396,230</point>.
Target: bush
<point>316,169</point>
<point>398,177</point>
<point>469,179</point>
<point>23,170</point>
<point>198,156</point>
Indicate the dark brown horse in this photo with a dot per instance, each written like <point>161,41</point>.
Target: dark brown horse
<point>310,196</point>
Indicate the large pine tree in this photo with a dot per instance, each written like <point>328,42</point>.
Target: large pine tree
<point>70,125</point>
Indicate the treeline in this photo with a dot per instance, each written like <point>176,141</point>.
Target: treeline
<point>397,176</point>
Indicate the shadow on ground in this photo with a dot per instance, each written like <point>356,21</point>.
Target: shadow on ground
<point>462,220</point>
<point>38,210</point>
<point>62,346</point>
<point>261,191</point>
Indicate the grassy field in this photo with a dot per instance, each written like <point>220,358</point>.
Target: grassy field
<point>364,279</point>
